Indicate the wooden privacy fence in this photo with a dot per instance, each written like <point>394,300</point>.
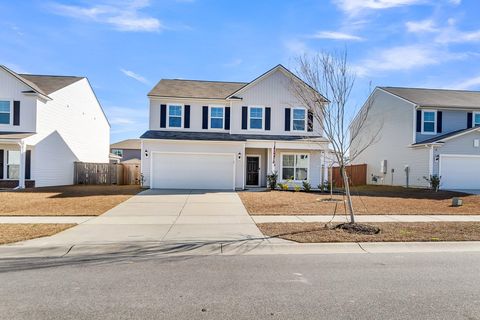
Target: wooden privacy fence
<point>106,173</point>
<point>357,175</point>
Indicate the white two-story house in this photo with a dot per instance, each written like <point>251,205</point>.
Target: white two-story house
<point>423,132</point>
<point>230,135</point>
<point>46,124</point>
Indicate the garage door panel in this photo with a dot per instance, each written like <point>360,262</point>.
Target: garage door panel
<point>192,171</point>
<point>460,172</point>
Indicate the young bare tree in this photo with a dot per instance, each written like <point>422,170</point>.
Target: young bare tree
<point>332,80</point>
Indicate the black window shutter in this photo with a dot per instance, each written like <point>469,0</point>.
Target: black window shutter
<point>16,113</point>
<point>268,112</point>
<point>310,121</point>
<point>419,120</point>
<point>439,121</point>
<point>227,118</point>
<point>163,115</point>
<point>205,117</point>
<point>28,161</point>
<point>186,120</point>
<point>1,164</point>
<point>469,120</point>
<point>244,118</point>
<point>287,119</point>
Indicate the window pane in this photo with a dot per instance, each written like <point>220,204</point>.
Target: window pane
<point>216,112</point>
<point>175,110</point>
<point>299,125</point>
<point>216,123</point>
<point>301,174</point>
<point>288,160</point>
<point>175,122</point>
<point>477,119</point>
<point>13,171</point>
<point>302,161</point>
<point>429,127</point>
<point>4,106</point>
<point>4,118</point>
<point>429,116</point>
<point>287,173</point>
<point>13,157</point>
<point>256,123</point>
<point>298,114</point>
<point>256,112</point>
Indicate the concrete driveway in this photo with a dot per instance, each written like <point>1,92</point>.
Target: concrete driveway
<point>167,216</point>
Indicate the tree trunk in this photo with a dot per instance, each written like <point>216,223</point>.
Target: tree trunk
<point>346,185</point>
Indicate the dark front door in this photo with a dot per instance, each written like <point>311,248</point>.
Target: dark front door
<point>253,167</point>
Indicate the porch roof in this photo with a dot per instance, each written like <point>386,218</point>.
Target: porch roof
<point>10,135</point>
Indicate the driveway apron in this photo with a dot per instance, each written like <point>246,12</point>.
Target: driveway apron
<point>164,215</point>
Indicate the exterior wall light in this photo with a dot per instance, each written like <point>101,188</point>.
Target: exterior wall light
<point>146,153</point>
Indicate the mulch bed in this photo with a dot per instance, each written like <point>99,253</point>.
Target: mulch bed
<point>366,200</point>
<point>389,232</point>
<point>24,231</point>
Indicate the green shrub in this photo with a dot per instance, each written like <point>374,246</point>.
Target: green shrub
<point>296,188</point>
<point>433,181</point>
<point>307,187</point>
<point>283,186</point>
<point>272,180</point>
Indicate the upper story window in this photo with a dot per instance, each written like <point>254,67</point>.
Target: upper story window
<point>4,112</point>
<point>175,116</point>
<point>476,119</point>
<point>429,122</point>
<point>118,152</point>
<point>299,119</point>
<point>255,118</point>
<point>217,117</point>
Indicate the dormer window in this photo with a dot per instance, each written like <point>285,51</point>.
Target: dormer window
<point>429,122</point>
<point>255,115</point>
<point>175,116</point>
<point>299,119</point>
<point>217,114</point>
<point>476,119</point>
<point>4,112</point>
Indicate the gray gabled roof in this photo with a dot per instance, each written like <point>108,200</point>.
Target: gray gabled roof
<point>437,97</point>
<point>127,144</point>
<point>450,135</point>
<point>218,136</point>
<point>177,88</point>
<point>49,84</point>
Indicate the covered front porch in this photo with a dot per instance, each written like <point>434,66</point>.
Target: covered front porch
<point>15,161</point>
<point>294,162</point>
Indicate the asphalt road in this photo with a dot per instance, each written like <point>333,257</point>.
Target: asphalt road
<point>340,286</point>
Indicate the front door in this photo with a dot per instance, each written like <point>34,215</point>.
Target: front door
<point>253,168</point>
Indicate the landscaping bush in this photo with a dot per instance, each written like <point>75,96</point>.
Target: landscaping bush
<point>296,188</point>
<point>272,180</point>
<point>433,181</point>
<point>307,187</point>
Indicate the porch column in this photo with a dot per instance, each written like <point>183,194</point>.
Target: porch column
<point>21,175</point>
<point>269,161</point>
<point>272,158</point>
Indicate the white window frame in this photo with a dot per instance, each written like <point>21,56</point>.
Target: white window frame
<point>263,118</point>
<point>118,152</point>
<point>294,166</point>
<point>305,121</point>
<point>11,112</point>
<point>475,124</point>
<point>434,122</point>
<point>8,164</point>
<point>182,115</point>
<point>210,117</point>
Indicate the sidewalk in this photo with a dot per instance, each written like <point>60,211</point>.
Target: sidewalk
<point>367,218</point>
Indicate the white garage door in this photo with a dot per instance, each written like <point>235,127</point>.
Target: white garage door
<point>460,172</point>
<point>193,171</point>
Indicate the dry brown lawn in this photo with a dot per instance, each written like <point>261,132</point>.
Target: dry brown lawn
<point>366,200</point>
<point>390,231</point>
<point>18,232</point>
<point>64,201</point>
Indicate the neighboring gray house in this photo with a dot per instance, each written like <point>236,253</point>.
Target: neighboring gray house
<point>126,149</point>
<point>230,135</point>
<point>423,132</point>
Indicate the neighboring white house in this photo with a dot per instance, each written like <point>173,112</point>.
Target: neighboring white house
<point>424,132</point>
<point>230,135</point>
<point>46,124</point>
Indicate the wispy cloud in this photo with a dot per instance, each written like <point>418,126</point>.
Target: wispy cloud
<point>233,63</point>
<point>124,15</point>
<point>404,58</point>
<point>470,83</point>
<point>135,76</point>
<point>296,47</point>
<point>422,26</point>
<point>448,33</point>
<point>127,120</point>
<point>334,35</point>
<point>353,7</point>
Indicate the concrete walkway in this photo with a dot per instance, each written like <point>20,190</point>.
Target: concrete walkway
<point>366,218</point>
<point>157,216</point>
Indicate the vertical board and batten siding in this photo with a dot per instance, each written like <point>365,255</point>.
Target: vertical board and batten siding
<point>462,145</point>
<point>452,120</point>
<point>71,127</point>
<point>11,89</point>
<point>274,92</point>
<point>395,118</point>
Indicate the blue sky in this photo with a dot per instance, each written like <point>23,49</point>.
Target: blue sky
<point>125,46</point>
